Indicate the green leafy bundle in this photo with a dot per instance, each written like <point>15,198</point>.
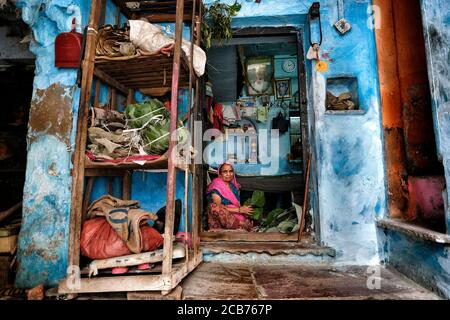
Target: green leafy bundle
<point>153,120</point>
<point>281,220</point>
<point>277,220</point>
<point>257,201</point>
<point>217,22</point>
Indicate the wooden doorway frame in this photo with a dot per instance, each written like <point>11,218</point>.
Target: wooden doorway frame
<point>232,235</point>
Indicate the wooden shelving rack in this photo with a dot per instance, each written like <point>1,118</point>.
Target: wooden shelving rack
<point>124,77</point>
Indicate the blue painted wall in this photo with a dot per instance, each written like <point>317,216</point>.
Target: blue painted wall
<point>426,262</point>
<point>43,240</point>
<point>350,167</point>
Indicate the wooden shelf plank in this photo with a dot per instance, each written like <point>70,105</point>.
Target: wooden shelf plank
<point>93,169</point>
<point>139,72</point>
<point>131,283</point>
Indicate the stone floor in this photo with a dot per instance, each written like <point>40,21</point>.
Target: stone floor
<point>237,281</point>
<point>223,281</point>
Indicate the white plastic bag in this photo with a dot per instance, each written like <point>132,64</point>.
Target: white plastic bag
<point>151,39</point>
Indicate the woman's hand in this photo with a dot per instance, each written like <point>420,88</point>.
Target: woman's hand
<point>248,210</point>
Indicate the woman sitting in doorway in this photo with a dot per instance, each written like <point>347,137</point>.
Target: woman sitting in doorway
<point>224,208</point>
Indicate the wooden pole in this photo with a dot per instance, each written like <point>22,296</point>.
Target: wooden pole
<point>197,177</point>
<point>87,196</point>
<point>171,174</point>
<point>80,144</point>
<point>186,213</point>
<point>305,200</point>
<point>126,185</point>
<point>130,97</point>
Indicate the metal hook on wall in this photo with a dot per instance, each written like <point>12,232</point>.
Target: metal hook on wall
<point>313,14</point>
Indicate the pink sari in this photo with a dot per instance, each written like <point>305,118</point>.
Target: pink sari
<point>218,215</point>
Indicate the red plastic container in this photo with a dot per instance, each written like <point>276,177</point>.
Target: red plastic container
<point>68,48</point>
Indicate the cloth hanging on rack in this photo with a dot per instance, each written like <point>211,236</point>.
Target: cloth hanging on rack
<point>218,116</point>
<point>209,100</point>
<point>280,123</point>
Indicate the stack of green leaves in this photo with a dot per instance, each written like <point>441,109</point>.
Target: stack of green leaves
<point>277,220</point>
<point>281,220</point>
<point>153,120</point>
<point>257,202</point>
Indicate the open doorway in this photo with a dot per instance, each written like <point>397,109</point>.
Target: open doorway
<point>16,87</point>
<point>255,84</point>
<point>415,174</point>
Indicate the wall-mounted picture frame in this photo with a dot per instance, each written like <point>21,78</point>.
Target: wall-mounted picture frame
<point>283,89</point>
<point>259,73</point>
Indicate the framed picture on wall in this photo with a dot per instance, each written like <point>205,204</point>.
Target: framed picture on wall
<point>259,75</point>
<point>283,88</point>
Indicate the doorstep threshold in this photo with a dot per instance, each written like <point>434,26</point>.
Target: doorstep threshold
<point>271,248</point>
<point>414,231</point>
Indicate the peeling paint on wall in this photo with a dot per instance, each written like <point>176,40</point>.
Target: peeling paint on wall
<point>51,113</point>
<point>43,239</point>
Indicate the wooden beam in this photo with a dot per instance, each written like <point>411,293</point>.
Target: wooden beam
<point>165,17</point>
<point>126,185</point>
<point>118,16</point>
<point>87,196</point>
<point>130,97</point>
<point>197,169</point>
<point>175,294</point>
<point>102,13</point>
<point>97,92</point>
<point>171,174</point>
<point>81,138</point>
<point>110,81</point>
<point>113,99</point>
<point>131,283</point>
<point>121,5</point>
<point>135,259</point>
<point>104,172</point>
<point>305,200</point>
<point>110,185</point>
<point>247,236</point>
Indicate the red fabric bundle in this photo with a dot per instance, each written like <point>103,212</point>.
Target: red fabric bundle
<point>100,241</point>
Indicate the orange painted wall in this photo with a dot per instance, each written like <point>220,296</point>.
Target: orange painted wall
<point>391,109</point>
<point>387,66</point>
<point>405,97</point>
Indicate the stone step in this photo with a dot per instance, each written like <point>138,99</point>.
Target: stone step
<point>267,252</point>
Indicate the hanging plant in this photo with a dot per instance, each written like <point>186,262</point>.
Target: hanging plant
<point>217,22</point>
